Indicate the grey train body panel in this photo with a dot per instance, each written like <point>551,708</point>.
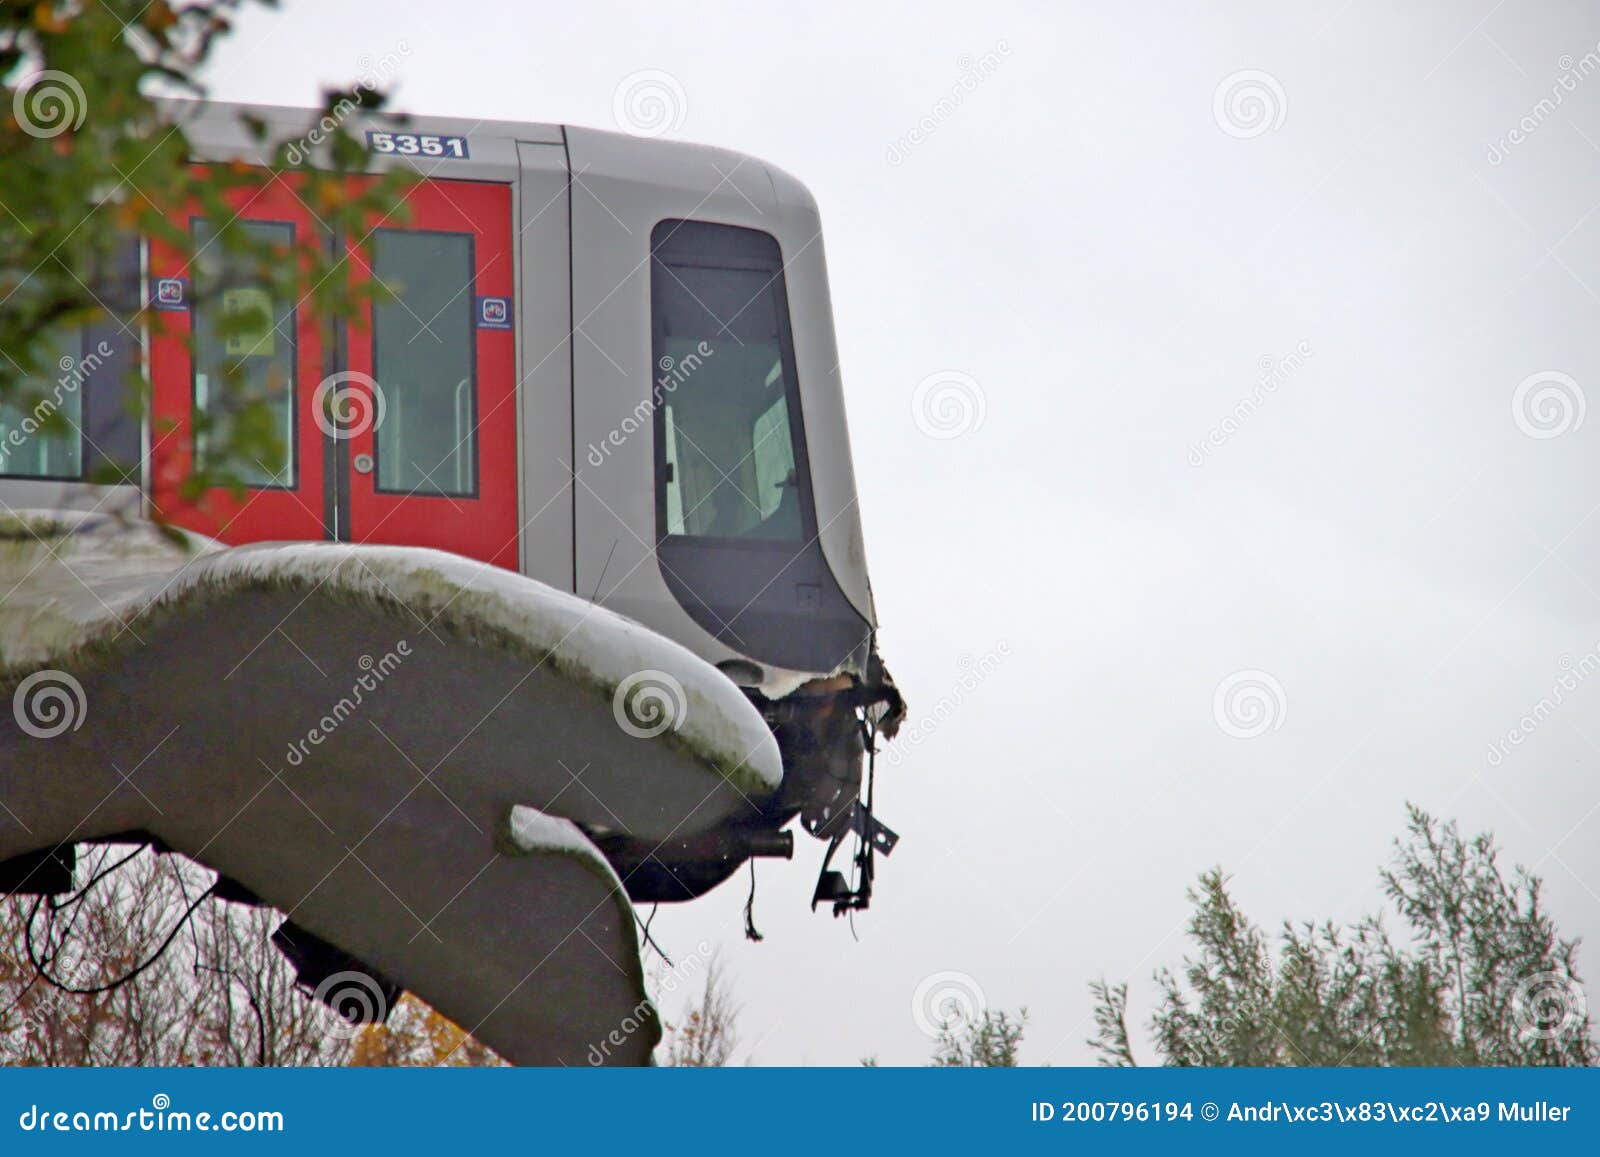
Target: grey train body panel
<point>544,363</point>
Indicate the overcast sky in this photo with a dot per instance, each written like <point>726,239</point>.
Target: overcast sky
<point>1340,256</point>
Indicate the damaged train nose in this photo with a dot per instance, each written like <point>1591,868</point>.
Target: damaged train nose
<point>827,732</point>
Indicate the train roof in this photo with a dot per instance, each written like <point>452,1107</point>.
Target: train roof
<point>218,132</point>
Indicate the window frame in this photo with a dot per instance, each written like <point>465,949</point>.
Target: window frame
<point>293,486</point>
<point>747,259</point>
<point>471,291</point>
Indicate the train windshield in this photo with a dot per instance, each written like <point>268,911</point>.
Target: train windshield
<point>726,419</point>
<point>243,354</point>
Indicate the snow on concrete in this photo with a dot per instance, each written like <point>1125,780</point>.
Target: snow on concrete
<point>70,581</point>
<point>532,832</point>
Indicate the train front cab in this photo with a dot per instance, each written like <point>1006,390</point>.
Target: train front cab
<point>714,497</point>
<point>700,293</point>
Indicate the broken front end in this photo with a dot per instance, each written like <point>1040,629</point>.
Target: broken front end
<point>828,732</point>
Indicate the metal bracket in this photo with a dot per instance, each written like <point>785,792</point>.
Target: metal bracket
<point>832,887</point>
<point>877,834</point>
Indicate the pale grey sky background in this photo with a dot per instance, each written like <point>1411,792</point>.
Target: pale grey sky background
<point>1110,253</point>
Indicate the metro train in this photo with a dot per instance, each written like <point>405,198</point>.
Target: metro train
<point>608,363</point>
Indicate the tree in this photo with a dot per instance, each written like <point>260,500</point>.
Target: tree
<point>1484,978</point>
<point>708,1033</point>
<point>89,157</point>
<point>419,1035</point>
<point>989,1040</point>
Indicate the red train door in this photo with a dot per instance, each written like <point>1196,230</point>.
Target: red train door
<point>432,370</point>
<point>406,432</point>
<point>279,366</point>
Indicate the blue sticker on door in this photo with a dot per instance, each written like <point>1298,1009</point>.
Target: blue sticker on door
<point>494,313</point>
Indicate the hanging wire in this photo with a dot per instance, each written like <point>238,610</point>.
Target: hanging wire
<point>41,961</point>
<point>100,874</point>
<point>644,933</point>
<point>750,932</point>
<point>40,966</point>
<point>865,849</point>
<point>73,918</point>
<point>22,993</point>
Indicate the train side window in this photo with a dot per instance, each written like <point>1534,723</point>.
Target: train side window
<point>423,362</point>
<point>244,350</point>
<point>727,432</point>
<point>43,438</point>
